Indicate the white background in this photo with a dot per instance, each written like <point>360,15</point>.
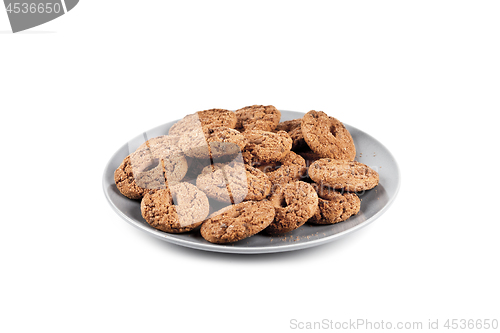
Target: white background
<point>422,77</point>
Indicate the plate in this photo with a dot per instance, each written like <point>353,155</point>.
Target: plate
<point>374,202</point>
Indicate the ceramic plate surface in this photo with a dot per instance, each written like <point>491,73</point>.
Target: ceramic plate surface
<point>374,202</point>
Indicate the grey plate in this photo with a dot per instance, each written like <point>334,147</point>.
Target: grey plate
<point>374,202</point>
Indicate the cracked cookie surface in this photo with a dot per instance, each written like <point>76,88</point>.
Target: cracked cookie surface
<point>327,136</point>
<point>295,203</point>
<point>289,168</point>
<point>334,206</point>
<point>293,128</point>
<point>265,146</point>
<point>350,176</point>
<point>180,208</point>
<point>204,143</point>
<point>237,222</point>
<point>234,182</point>
<point>154,164</point>
<point>257,117</point>
<point>204,119</point>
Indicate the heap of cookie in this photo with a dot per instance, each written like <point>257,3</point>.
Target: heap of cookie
<point>239,173</point>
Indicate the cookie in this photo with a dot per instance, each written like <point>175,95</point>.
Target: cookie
<point>179,209</point>
<point>133,185</point>
<point>327,136</point>
<point>350,176</point>
<point>293,128</point>
<point>212,181</point>
<point>289,168</point>
<point>224,141</point>
<point>334,206</point>
<point>194,144</point>
<point>156,163</point>
<point>233,182</point>
<point>163,148</point>
<point>295,203</point>
<point>265,146</point>
<point>212,142</point>
<point>204,119</point>
<point>259,185</point>
<point>257,117</point>
<point>237,222</point>
<point>309,156</point>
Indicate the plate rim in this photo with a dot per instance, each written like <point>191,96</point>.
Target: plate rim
<point>253,250</point>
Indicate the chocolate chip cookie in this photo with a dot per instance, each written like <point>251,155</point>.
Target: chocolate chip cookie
<point>237,222</point>
<point>194,144</point>
<point>334,206</point>
<point>153,165</point>
<point>327,136</point>
<point>293,128</point>
<point>214,143</point>
<point>163,148</point>
<point>265,146</point>
<point>233,182</point>
<point>224,141</point>
<point>257,117</point>
<point>179,209</point>
<point>133,183</point>
<point>204,119</point>
<point>289,168</point>
<point>309,156</point>
<point>350,176</point>
<point>295,203</point>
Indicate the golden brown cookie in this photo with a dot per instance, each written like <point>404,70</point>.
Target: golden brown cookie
<point>295,203</point>
<point>204,119</point>
<point>265,146</point>
<point>327,136</point>
<point>257,117</point>
<point>334,206</point>
<point>350,176</point>
<point>237,222</point>
<point>233,182</point>
<point>293,128</point>
<point>179,209</point>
